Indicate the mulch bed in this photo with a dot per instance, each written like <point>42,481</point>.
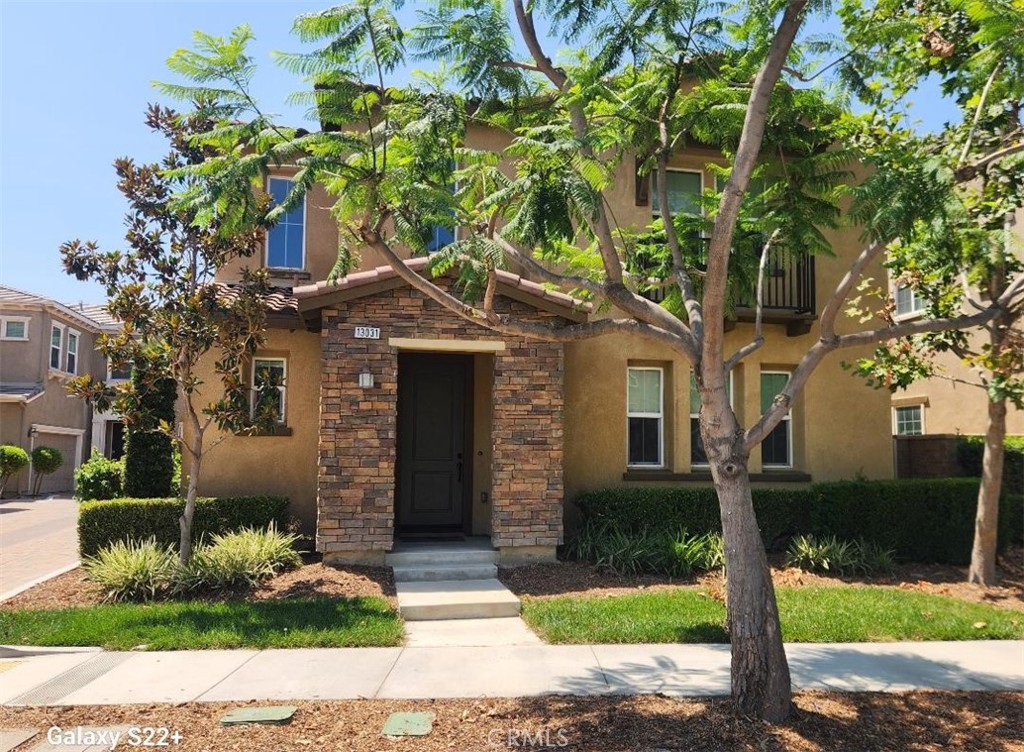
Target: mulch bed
<point>864,722</point>
<point>583,579</point>
<point>312,580</point>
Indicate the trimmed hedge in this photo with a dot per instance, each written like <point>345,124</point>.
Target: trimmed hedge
<point>103,522</point>
<point>923,520</point>
<point>969,452</point>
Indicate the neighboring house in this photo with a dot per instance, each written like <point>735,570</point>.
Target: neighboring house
<point>44,344</point>
<point>398,418</point>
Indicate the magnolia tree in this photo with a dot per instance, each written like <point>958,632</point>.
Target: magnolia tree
<point>967,253</point>
<point>171,314</point>
<point>650,79</point>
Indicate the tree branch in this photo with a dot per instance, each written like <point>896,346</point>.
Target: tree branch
<point>846,284</point>
<point>968,172</point>
<point>538,269</point>
<point>977,114</point>
<point>758,341</point>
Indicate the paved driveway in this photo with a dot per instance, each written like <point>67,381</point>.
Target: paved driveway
<point>38,537</point>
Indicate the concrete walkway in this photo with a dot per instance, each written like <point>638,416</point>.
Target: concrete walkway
<point>86,676</point>
<point>38,540</point>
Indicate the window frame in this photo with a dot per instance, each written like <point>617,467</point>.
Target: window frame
<point>118,380</point>
<point>655,209</point>
<point>282,388</point>
<point>305,228</point>
<point>914,312</point>
<point>696,415</point>
<point>59,346</point>
<point>895,419</point>
<point>4,320</point>
<point>68,354</point>
<point>787,418</point>
<point>660,417</point>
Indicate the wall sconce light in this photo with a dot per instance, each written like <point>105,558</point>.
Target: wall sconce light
<point>366,379</point>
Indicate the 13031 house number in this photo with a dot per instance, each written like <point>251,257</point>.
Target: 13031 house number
<point>367,332</point>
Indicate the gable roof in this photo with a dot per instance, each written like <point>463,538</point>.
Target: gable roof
<point>13,298</point>
<point>361,284</point>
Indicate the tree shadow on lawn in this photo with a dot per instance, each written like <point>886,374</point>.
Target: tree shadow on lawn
<point>867,722</point>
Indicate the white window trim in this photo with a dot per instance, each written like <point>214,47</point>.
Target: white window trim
<point>660,417</point>
<point>60,347</point>
<point>789,431</point>
<point>895,425</point>
<point>14,319</point>
<point>305,232</point>
<point>914,313</point>
<point>67,350</point>
<point>282,389</point>
<point>696,416</point>
<point>657,212</point>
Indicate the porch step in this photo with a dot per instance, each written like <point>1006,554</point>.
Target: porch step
<point>455,599</point>
<point>434,573</point>
<point>440,556</point>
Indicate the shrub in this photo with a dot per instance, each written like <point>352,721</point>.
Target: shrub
<point>651,549</point>
<point>133,570</point>
<point>822,554</point>
<point>921,520</point>
<point>98,478</point>
<point>241,558</point>
<point>12,460</point>
<point>969,452</point>
<point>149,452</point>
<point>103,522</point>
<point>875,559</point>
<point>45,460</point>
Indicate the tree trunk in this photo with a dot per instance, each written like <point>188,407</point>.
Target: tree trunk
<point>760,672</point>
<point>185,521</point>
<point>986,522</point>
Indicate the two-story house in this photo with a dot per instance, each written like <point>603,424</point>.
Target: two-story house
<point>44,344</point>
<point>400,419</point>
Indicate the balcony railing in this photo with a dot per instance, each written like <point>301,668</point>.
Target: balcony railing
<point>788,285</point>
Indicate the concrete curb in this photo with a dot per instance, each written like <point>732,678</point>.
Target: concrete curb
<point>39,580</point>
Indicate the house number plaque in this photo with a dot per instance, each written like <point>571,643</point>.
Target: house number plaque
<point>367,332</point>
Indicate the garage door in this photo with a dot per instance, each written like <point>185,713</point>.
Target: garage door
<point>64,479</point>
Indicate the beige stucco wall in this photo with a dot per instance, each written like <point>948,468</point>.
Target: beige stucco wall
<point>278,465</point>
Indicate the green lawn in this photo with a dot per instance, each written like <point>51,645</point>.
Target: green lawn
<point>810,614</point>
<point>195,625</point>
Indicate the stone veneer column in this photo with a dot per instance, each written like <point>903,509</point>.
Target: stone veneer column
<point>356,475</point>
<point>527,489</point>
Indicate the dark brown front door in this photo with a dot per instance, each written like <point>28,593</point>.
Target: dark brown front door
<point>433,456</point>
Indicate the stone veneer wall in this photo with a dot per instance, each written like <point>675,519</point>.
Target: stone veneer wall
<point>356,475</point>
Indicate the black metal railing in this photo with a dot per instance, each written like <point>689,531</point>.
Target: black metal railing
<point>788,284</point>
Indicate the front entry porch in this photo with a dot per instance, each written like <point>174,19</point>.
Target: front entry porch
<point>433,427</point>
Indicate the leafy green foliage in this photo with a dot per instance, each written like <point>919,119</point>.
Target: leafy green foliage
<point>45,461</point>
<point>148,450</point>
<point>99,478</point>
<point>133,570</point>
<point>12,460</point>
<point>970,451</point>
<point>921,520</point>
<point>242,558</point>
<point>103,522</point>
<point>829,554</point>
<point>657,550</point>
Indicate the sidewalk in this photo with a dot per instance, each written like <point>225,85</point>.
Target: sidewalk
<point>89,676</point>
<point>38,540</point>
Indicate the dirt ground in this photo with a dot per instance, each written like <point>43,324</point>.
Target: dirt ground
<point>821,722</point>
<point>579,578</point>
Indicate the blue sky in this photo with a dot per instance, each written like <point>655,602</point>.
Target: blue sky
<point>75,79</point>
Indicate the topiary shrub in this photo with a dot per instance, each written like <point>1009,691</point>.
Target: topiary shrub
<point>45,461</point>
<point>99,478</point>
<point>969,453</point>
<point>148,451</point>
<point>12,460</point>
<point>101,523</point>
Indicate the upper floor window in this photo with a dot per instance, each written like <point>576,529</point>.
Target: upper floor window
<point>645,417</point>
<point>72,356</point>
<point>440,236</point>
<point>698,456</point>
<point>269,386</point>
<point>121,373</point>
<point>684,189</point>
<point>908,420</point>
<point>14,328</point>
<point>286,241</point>
<point>777,447</point>
<point>56,346</point>
<point>908,302</point>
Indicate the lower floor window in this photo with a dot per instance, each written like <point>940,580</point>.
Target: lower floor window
<point>777,446</point>
<point>645,417</point>
<point>268,387</point>
<point>909,420</point>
